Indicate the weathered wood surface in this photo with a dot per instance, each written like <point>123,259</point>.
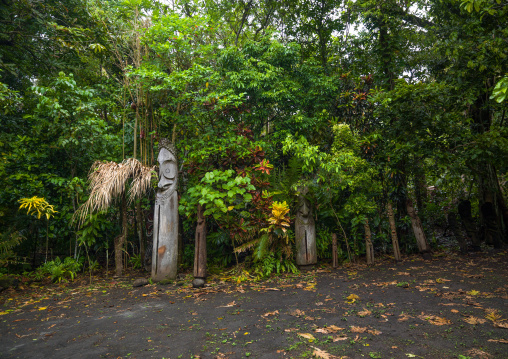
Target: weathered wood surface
<point>305,234</point>
<point>165,231</point>
<point>200,249</point>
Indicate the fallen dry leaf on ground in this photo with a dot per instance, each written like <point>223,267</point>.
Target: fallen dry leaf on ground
<point>322,354</point>
<point>374,331</point>
<point>501,325</point>
<point>404,317</point>
<point>474,320</point>
<point>266,315</point>
<point>232,304</point>
<point>504,341</point>
<point>442,280</point>
<point>334,328</point>
<point>339,338</point>
<point>480,354</point>
<point>307,336</point>
<point>364,312</point>
<point>493,315</point>
<point>355,329</point>
<point>328,330</point>
<point>434,319</point>
<point>297,313</point>
<point>352,298</point>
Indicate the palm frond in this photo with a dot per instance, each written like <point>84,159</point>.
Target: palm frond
<point>108,181</point>
<point>142,178</point>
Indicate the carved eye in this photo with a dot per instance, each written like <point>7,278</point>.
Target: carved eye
<point>168,169</point>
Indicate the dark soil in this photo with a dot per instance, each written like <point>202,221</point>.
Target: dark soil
<point>450,307</point>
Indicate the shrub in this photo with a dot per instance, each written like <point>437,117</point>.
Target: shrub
<point>60,271</point>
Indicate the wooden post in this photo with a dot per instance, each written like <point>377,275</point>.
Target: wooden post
<point>165,226</point>
<point>200,250</point>
<point>305,233</point>
<point>335,259</point>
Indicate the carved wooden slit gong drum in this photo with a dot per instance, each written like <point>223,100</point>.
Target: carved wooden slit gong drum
<point>165,226</point>
<point>305,233</point>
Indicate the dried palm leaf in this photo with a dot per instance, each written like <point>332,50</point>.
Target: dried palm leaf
<point>108,180</point>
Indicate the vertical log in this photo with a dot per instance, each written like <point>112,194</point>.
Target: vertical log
<point>200,250</point>
<point>335,259</point>
<point>393,232</point>
<point>369,248</point>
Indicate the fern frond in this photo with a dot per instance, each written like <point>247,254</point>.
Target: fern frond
<point>263,246</point>
<point>246,246</point>
<point>7,243</point>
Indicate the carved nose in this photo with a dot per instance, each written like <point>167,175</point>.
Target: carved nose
<point>162,184</point>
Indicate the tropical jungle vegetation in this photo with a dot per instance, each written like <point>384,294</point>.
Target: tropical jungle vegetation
<point>387,115</point>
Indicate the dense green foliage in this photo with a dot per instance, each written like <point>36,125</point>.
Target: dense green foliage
<point>363,103</point>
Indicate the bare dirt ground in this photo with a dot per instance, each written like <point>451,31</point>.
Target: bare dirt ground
<point>451,307</point>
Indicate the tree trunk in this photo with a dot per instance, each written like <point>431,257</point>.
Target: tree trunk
<point>369,248</point>
<point>120,240</point>
<point>421,241</point>
<point>141,231</point>
<point>393,230</point>
<point>491,213</point>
